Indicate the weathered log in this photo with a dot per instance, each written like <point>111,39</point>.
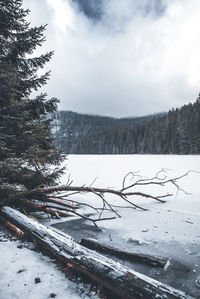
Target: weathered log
<point>133,257</point>
<point>119,279</point>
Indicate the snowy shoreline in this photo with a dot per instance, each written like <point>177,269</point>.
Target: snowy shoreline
<point>27,273</point>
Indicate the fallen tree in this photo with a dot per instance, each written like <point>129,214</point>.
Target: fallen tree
<point>133,257</point>
<point>58,201</point>
<point>119,279</point>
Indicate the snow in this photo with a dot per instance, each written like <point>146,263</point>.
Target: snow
<point>20,266</point>
<point>177,219</point>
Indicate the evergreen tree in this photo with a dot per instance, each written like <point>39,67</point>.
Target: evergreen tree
<point>26,149</point>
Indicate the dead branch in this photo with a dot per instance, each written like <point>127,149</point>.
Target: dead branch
<point>48,209</point>
<point>57,202</point>
<point>61,203</point>
<point>78,204</point>
<point>156,180</point>
<point>62,212</point>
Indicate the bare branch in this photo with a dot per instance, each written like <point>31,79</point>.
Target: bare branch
<point>63,206</point>
<point>93,182</point>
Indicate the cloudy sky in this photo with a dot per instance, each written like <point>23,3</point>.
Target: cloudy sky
<point>121,57</point>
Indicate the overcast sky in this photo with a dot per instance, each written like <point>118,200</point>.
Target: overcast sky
<point>121,57</point>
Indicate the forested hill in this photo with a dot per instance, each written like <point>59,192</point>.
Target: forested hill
<point>177,132</point>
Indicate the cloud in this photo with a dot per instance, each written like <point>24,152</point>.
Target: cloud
<point>93,9</point>
<point>140,57</point>
<point>63,15</point>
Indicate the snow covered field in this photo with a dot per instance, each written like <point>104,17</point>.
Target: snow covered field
<point>171,230</point>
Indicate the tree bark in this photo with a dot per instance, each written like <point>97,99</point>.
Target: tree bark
<point>119,279</point>
<point>12,227</point>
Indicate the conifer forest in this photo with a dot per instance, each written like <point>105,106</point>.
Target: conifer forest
<point>175,132</point>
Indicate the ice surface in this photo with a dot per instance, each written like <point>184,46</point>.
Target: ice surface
<point>170,230</point>
<point>177,219</point>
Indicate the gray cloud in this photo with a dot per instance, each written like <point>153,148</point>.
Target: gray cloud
<point>97,9</point>
<point>137,57</point>
<point>93,9</point>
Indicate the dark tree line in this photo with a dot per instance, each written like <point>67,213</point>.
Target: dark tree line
<point>175,132</point>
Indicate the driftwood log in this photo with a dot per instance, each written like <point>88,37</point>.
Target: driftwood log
<point>119,279</point>
<point>133,257</point>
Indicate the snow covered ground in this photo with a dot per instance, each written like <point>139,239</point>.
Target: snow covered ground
<point>26,273</point>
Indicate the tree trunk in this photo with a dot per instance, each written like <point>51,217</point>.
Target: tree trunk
<point>135,257</point>
<point>12,227</point>
<point>119,279</point>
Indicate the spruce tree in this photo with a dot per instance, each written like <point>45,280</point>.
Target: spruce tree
<point>27,153</point>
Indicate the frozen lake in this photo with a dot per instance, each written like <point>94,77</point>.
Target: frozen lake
<point>109,171</point>
<point>170,230</point>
